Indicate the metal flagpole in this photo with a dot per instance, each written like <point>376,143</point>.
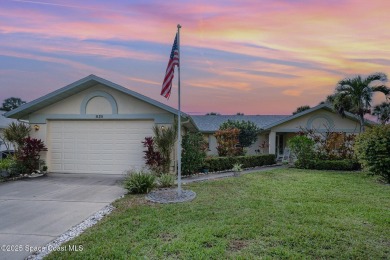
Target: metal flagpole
<point>178,119</point>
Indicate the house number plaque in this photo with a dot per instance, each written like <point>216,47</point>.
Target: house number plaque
<point>99,116</point>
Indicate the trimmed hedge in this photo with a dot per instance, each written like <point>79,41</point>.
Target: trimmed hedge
<point>226,163</point>
<point>337,165</point>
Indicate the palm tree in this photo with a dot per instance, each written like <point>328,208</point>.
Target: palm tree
<point>165,138</point>
<point>382,111</point>
<point>355,95</point>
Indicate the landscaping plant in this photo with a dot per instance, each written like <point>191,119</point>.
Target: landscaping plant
<point>153,158</point>
<point>193,153</point>
<point>29,154</point>
<point>373,150</point>
<point>166,180</point>
<point>302,147</point>
<point>139,182</point>
<point>16,132</point>
<point>164,139</point>
<point>227,141</point>
<point>248,131</point>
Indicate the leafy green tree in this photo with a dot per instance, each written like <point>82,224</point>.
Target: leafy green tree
<point>248,131</point>
<point>303,148</point>
<point>382,111</point>
<point>12,103</point>
<point>355,95</point>
<point>373,149</point>
<point>164,139</point>
<point>301,109</point>
<point>193,152</point>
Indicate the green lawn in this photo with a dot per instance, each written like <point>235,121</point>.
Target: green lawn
<point>284,213</point>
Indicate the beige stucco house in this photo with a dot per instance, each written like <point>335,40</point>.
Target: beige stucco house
<point>96,126</point>
<point>277,129</point>
<point>93,126</point>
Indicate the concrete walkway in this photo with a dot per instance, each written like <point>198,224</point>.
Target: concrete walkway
<point>213,176</point>
<point>33,212</point>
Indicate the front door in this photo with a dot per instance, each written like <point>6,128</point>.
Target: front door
<point>279,145</point>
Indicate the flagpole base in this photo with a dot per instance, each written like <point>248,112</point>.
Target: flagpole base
<point>165,196</point>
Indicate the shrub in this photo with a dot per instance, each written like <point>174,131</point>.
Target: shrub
<point>193,153</point>
<point>166,180</point>
<point>153,158</point>
<point>164,139</point>
<point>139,182</point>
<point>227,163</point>
<point>5,164</point>
<point>227,141</point>
<point>29,153</point>
<point>248,131</point>
<point>373,150</point>
<point>302,147</point>
<point>337,165</point>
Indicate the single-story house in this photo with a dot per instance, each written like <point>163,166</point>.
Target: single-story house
<point>96,126</point>
<point>277,129</point>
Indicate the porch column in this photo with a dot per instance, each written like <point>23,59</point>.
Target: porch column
<point>272,143</point>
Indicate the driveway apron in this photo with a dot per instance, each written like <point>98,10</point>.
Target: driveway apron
<point>35,211</point>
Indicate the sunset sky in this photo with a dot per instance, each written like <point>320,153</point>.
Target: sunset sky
<point>249,56</point>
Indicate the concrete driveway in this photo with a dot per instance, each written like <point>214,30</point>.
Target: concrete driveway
<point>35,211</point>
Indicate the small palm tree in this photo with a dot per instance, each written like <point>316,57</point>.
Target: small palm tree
<point>16,132</point>
<point>355,95</point>
<point>165,138</point>
<point>382,111</point>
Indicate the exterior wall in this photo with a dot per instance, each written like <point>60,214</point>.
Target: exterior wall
<point>212,141</point>
<point>320,120</point>
<point>96,103</point>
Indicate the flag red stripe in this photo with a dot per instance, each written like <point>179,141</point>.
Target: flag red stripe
<point>169,73</point>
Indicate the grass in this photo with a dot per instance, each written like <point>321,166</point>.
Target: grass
<point>277,214</point>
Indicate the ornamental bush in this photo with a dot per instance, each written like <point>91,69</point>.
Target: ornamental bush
<point>137,182</point>
<point>228,144</point>
<point>248,131</point>
<point>29,154</point>
<point>373,150</point>
<point>153,158</point>
<point>193,153</point>
<point>302,147</point>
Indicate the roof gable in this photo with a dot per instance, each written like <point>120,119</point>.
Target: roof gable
<point>211,123</point>
<point>324,106</point>
<point>75,88</point>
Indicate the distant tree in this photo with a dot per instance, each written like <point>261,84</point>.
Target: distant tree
<point>382,111</point>
<point>248,131</point>
<point>213,114</point>
<point>12,103</point>
<point>301,109</point>
<point>239,114</point>
<point>354,95</point>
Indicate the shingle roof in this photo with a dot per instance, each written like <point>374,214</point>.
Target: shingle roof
<point>211,123</point>
<point>4,122</point>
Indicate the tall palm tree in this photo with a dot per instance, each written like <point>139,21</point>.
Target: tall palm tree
<point>355,95</point>
<point>382,111</point>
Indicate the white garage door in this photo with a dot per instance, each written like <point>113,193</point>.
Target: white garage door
<point>109,147</point>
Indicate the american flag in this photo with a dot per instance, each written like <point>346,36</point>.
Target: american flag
<point>173,60</point>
